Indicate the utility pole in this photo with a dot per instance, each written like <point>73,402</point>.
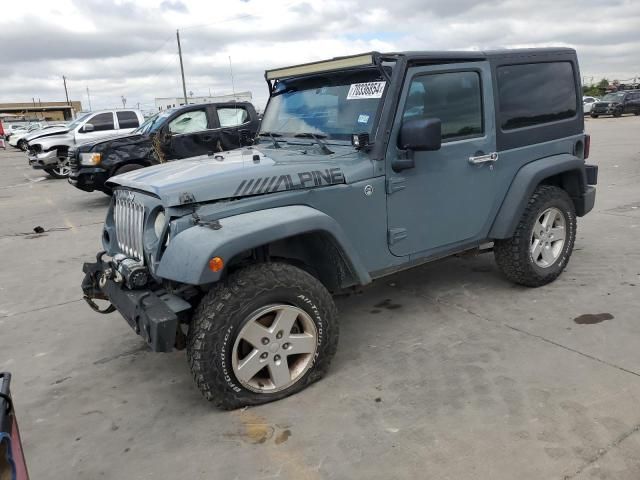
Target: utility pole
<point>184,87</point>
<point>124,101</point>
<point>233,86</point>
<point>66,93</point>
<point>89,98</point>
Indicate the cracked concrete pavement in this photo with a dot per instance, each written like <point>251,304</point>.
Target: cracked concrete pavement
<point>445,371</point>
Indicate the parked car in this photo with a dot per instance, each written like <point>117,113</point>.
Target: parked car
<point>51,152</point>
<point>617,104</point>
<point>236,255</point>
<point>587,103</point>
<point>18,139</point>
<point>11,128</point>
<point>170,135</point>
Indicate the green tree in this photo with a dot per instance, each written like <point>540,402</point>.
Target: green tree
<point>596,90</point>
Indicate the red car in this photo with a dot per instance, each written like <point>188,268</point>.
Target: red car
<point>12,463</point>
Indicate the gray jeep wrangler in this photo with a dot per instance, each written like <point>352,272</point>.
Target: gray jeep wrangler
<point>363,166</point>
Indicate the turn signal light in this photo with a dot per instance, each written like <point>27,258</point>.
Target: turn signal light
<point>216,264</point>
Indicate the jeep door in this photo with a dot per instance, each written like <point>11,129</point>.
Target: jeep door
<point>448,199</point>
<point>192,133</point>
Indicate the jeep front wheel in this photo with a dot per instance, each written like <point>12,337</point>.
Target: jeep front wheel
<point>266,332</point>
<point>543,241</point>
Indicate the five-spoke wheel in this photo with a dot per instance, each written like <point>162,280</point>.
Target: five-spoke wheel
<point>266,331</point>
<point>274,348</point>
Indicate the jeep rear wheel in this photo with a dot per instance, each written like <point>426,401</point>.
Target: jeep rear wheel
<point>266,332</point>
<point>543,241</point>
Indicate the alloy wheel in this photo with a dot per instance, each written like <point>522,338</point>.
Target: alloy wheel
<point>548,237</point>
<point>63,168</point>
<point>274,349</point>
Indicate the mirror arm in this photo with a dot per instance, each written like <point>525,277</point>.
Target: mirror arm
<point>403,161</point>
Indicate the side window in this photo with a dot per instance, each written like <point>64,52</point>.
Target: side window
<point>536,93</point>
<point>102,121</point>
<point>455,98</point>
<point>232,116</point>
<point>128,120</point>
<point>189,122</point>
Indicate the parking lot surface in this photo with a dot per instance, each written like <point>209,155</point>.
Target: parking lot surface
<point>446,371</point>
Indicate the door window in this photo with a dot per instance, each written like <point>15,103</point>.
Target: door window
<point>128,120</point>
<point>189,122</point>
<point>453,97</point>
<point>102,121</point>
<point>232,116</point>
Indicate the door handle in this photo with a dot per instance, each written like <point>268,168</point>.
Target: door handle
<point>489,158</point>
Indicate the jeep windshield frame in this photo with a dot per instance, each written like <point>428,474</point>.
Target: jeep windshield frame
<point>326,104</point>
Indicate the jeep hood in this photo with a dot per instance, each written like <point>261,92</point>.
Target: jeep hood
<point>246,172</point>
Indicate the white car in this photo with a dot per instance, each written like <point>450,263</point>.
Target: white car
<point>17,137</point>
<point>587,103</point>
<point>50,151</point>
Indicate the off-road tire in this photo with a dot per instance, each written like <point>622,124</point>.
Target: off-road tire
<point>228,306</point>
<point>617,112</point>
<point>513,255</point>
<point>594,115</point>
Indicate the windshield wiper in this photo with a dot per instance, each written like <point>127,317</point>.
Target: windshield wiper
<point>318,140</point>
<point>272,136</point>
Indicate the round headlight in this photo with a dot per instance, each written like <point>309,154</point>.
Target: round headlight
<point>159,222</point>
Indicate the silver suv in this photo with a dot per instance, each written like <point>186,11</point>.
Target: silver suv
<point>50,150</point>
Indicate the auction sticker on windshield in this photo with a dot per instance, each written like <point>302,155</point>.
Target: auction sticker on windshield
<point>366,90</point>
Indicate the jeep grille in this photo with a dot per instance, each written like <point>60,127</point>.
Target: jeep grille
<point>128,215</point>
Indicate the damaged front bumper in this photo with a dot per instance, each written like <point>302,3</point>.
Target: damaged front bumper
<point>43,160</point>
<point>154,314</point>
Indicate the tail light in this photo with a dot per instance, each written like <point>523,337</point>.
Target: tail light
<point>587,146</point>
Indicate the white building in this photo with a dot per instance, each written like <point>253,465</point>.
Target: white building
<point>164,103</point>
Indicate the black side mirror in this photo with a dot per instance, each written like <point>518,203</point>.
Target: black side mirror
<point>421,134</point>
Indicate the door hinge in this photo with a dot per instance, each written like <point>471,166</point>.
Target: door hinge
<point>395,184</point>
<point>396,234</point>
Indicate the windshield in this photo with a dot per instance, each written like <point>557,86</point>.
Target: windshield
<point>152,124</point>
<point>78,121</point>
<point>613,97</point>
<point>331,105</point>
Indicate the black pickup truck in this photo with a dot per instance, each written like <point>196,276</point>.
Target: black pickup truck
<point>172,134</point>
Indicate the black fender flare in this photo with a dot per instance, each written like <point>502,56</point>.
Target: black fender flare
<point>523,186</point>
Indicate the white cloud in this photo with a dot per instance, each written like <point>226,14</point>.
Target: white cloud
<point>126,47</point>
